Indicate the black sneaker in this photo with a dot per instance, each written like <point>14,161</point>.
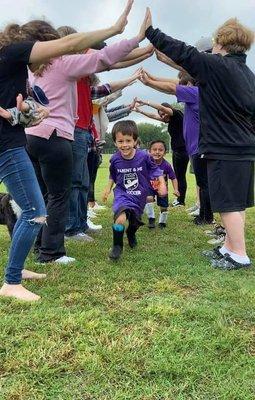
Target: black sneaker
<point>214,254</point>
<point>151,223</point>
<point>162,225</point>
<point>227,263</point>
<point>199,221</point>
<point>115,252</point>
<point>132,241</point>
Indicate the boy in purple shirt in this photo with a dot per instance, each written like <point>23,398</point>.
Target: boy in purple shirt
<point>157,150</point>
<point>131,170</point>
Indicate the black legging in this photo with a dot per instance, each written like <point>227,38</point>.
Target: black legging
<point>200,170</point>
<point>180,164</point>
<point>93,164</point>
<point>52,160</point>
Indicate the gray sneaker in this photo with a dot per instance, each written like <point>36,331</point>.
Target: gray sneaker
<point>214,254</point>
<point>227,263</point>
<point>218,240</point>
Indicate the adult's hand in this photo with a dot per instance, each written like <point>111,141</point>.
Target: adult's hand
<point>122,21</point>
<point>146,23</point>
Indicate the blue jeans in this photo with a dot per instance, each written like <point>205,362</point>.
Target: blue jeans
<point>77,219</point>
<point>18,175</point>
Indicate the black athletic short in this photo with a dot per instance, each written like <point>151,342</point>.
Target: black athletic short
<point>132,217</point>
<point>231,185</point>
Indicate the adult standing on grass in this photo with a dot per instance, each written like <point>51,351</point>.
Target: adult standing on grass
<point>187,92</point>
<point>227,139</point>
<point>50,144</point>
<point>16,170</point>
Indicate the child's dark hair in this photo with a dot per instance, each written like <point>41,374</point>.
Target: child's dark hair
<point>165,105</point>
<point>126,127</point>
<point>185,78</point>
<point>157,141</point>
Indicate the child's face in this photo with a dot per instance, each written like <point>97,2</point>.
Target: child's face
<point>157,151</point>
<point>125,144</point>
<point>163,116</point>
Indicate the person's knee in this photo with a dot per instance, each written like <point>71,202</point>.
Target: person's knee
<point>121,220</point>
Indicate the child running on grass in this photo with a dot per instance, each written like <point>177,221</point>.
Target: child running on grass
<point>131,170</point>
<point>157,150</point>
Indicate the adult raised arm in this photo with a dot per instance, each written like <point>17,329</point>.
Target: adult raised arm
<point>148,114</point>
<point>77,42</point>
<point>118,85</point>
<point>168,61</point>
<point>168,86</point>
<point>156,106</point>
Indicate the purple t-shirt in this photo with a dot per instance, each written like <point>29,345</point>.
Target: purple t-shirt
<point>190,96</point>
<point>167,169</point>
<point>132,179</point>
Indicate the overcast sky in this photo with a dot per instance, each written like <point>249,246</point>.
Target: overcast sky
<point>183,19</point>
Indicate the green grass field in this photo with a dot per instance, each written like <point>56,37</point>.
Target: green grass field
<point>161,324</point>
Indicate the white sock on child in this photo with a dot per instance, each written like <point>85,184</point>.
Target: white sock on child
<point>163,217</point>
<point>149,210</point>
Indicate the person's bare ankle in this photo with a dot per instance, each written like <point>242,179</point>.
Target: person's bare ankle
<point>26,274</point>
<point>18,292</point>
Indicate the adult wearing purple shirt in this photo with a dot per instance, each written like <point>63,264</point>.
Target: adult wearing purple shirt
<point>189,95</point>
<point>186,92</point>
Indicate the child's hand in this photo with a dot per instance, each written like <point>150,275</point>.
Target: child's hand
<point>176,193</point>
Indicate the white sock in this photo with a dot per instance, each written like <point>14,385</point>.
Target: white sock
<point>163,217</point>
<point>240,259</point>
<point>149,210</point>
<point>223,250</point>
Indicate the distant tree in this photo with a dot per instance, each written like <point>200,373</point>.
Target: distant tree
<point>149,132</point>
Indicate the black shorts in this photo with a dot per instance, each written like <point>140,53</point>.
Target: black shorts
<point>132,217</point>
<point>162,201</point>
<point>231,185</point>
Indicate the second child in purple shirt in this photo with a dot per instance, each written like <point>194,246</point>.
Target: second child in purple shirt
<point>131,171</point>
<point>158,150</point>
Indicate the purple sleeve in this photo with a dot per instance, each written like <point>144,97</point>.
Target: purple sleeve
<point>153,169</point>
<point>187,94</point>
<point>80,65</point>
<point>112,171</point>
<point>170,172</point>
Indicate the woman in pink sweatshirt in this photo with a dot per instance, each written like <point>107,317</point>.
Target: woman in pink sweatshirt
<point>49,145</point>
<point>16,170</point>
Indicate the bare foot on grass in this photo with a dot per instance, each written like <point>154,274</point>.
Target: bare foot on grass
<point>18,292</point>
<point>26,274</point>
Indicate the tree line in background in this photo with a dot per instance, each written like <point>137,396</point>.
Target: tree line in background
<point>147,133</point>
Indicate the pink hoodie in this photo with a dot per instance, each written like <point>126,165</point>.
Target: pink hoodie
<point>59,83</point>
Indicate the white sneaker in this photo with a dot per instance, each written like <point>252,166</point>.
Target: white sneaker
<point>195,213</point>
<point>98,207</point>
<point>91,214</point>
<point>82,237</point>
<point>192,209</point>
<point>92,227</point>
<point>64,260</point>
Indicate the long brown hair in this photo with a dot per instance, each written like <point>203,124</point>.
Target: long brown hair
<point>36,30</point>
